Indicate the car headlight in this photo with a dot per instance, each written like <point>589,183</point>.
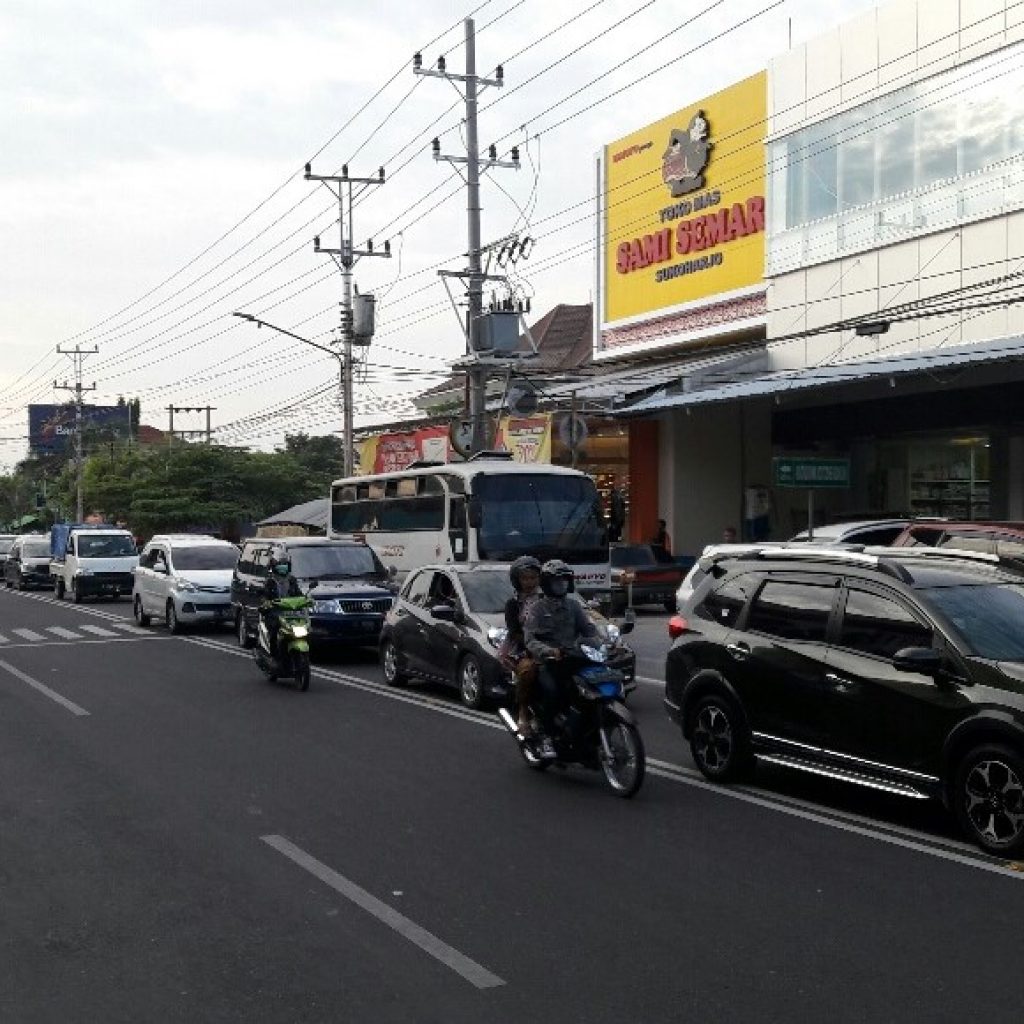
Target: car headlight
<point>180,583</point>
<point>299,632</point>
<point>613,633</point>
<point>328,607</point>
<point>598,654</point>
<point>496,637</point>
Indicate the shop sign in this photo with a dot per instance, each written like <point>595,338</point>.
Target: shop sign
<point>684,209</point>
<point>388,453</point>
<point>813,474</point>
<point>528,438</point>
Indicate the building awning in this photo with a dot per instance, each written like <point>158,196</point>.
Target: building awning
<point>747,386</point>
<point>615,387</point>
<point>309,513</point>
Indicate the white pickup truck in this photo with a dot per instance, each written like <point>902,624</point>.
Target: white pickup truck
<point>92,561</point>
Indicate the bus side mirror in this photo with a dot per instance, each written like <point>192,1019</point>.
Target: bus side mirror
<point>392,572</point>
<point>474,512</point>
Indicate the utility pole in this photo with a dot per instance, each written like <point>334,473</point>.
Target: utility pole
<point>474,276</point>
<point>346,257</point>
<point>78,356</point>
<point>207,433</point>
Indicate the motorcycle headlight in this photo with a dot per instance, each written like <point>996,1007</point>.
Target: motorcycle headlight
<point>613,633</point>
<point>328,607</point>
<point>188,586</point>
<point>299,632</point>
<point>496,637</point>
<point>598,654</point>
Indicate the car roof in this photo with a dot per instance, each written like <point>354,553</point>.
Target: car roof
<point>841,529</point>
<point>188,538</point>
<point>310,542</point>
<point>462,568</point>
<point>988,526</point>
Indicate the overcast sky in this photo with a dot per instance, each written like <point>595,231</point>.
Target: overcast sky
<point>151,180</point>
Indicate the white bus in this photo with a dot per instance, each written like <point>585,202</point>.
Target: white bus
<point>489,509</point>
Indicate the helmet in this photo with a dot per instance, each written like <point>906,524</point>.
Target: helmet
<point>281,568</point>
<point>556,578</point>
<point>524,563</point>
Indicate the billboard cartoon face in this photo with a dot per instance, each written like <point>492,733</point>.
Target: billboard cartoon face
<point>683,163</point>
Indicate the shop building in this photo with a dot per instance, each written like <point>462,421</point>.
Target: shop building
<point>894,266</point>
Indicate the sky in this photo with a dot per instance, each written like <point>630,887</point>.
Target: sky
<point>151,182</point>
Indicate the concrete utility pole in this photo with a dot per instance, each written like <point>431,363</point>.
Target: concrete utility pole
<point>78,356</point>
<point>474,275</point>
<point>207,433</point>
<point>346,257</point>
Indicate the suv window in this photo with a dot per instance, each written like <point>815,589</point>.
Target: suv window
<point>260,561</point>
<point>880,626</point>
<point>924,536</point>
<point>725,602</point>
<point>792,611</point>
<point>880,536</point>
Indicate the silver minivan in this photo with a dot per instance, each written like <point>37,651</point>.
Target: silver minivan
<point>185,579</point>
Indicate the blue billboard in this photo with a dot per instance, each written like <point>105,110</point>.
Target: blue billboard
<point>51,428</point>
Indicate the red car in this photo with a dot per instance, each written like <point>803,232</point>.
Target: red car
<point>653,575</point>
<point>1005,539</point>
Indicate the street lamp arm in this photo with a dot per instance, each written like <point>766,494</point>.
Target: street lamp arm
<point>264,323</point>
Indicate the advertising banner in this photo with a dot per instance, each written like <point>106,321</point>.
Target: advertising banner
<point>683,206</point>
<point>51,428</point>
<point>528,438</point>
<point>387,453</point>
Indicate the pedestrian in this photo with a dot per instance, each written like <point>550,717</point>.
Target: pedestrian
<point>729,535</point>
<point>661,539</point>
<point>616,514</point>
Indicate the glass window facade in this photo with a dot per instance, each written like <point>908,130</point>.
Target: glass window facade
<point>930,155</point>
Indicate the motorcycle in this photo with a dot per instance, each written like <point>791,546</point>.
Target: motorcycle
<point>593,727</point>
<point>292,659</point>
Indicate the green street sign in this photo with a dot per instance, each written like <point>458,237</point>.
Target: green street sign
<point>812,473</point>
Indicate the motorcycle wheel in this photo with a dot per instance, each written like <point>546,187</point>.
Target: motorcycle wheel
<point>624,771</point>
<point>301,670</point>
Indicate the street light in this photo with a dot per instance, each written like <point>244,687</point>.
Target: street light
<point>344,376</point>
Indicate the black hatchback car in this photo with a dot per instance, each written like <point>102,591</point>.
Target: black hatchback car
<point>898,670</point>
<point>448,624</point>
<point>349,587</point>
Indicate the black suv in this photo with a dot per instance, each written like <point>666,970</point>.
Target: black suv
<point>896,669</point>
<point>349,587</point>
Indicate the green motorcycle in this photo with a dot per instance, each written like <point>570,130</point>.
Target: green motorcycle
<point>292,658</point>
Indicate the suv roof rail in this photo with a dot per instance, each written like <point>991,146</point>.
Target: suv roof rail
<point>497,454</point>
<point>925,552</point>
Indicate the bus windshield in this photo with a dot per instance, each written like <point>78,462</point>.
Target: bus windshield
<point>544,514</point>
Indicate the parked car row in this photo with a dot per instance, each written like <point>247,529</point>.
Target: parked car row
<point>26,561</point>
<point>900,669</point>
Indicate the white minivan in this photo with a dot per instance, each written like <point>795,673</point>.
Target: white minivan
<point>185,579</point>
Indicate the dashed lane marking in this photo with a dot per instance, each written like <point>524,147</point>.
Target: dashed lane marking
<point>28,634</point>
<point>97,630</point>
<point>64,634</point>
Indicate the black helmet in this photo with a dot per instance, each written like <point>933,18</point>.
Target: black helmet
<point>556,578</point>
<point>524,563</point>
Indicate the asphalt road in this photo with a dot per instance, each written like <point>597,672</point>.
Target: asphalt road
<point>181,840</point>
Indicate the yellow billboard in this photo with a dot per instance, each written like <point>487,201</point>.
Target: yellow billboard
<point>684,205</point>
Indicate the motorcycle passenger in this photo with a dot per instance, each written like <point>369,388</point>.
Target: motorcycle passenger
<point>554,626</point>
<point>279,583</point>
<point>524,574</point>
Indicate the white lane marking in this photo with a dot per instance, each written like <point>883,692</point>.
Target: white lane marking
<point>28,634</point>
<point>64,634</point>
<point>97,630</point>
<point>129,626</point>
<point>63,701</point>
<point>921,841</point>
<point>649,681</point>
<point>473,972</point>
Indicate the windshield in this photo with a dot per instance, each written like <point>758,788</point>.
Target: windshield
<point>109,546</point>
<point>486,592</point>
<point>988,617</point>
<point>543,514</point>
<point>213,556</point>
<point>35,549</point>
<point>334,563</point>
<point>639,555</point>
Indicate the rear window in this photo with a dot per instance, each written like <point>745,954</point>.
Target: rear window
<point>881,536</point>
<point>792,611</point>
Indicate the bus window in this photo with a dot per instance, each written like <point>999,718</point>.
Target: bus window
<point>400,515</point>
<point>406,488</point>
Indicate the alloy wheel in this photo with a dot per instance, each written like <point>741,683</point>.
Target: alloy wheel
<point>712,740</point>
<point>471,687</point>
<point>994,802</point>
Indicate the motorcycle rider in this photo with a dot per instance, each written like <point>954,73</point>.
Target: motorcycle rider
<point>279,583</point>
<point>524,574</point>
<point>554,625</point>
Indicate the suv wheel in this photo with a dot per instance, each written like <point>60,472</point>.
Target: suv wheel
<point>140,616</point>
<point>988,797</point>
<point>242,630</point>
<point>718,739</point>
<point>173,622</point>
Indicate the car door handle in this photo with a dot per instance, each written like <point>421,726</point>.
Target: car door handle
<point>738,651</point>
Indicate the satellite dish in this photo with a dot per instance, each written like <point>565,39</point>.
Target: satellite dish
<point>460,433</point>
<point>522,399</point>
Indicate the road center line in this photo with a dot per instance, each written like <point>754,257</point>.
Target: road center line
<point>427,941</point>
<point>45,690</point>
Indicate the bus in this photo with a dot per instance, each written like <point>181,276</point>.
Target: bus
<point>488,509</point>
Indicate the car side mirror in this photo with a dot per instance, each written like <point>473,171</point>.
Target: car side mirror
<point>443,613</point>
<point>160,568</point>
<point>392,572</point>
<point>925,661</point>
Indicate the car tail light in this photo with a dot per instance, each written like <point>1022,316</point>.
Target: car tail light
<point>677,626</point>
